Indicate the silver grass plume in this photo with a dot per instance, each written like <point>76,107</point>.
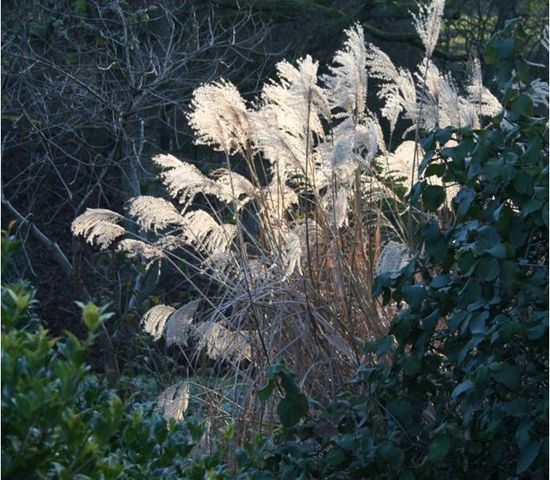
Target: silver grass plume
<point>173,402</point>
<point>439,100</point>
<point>219,117</point>
<point>296,245</point>
<point>347,84</point>
<point>301,82</point>
<point>153,213</point>
<point>397,89</point>
<point>154,320</point>
<point>393,258</point>
<point>98,226</point>
<point>233,187</point>
<point>184,181</point>
<point>338,208</point>
<point>220,342</point>
<point>352,147</point>
<point>133,248</point>
<point>428,23</point>
<point>206,234</point>
<point>289,117</point>
<point>179,325</point>
<point>279,199</point>
<point>485,103</point>
<point>292,254</point>
<point>399,163</point>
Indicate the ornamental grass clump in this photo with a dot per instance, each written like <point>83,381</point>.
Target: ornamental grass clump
<point>288,249</point>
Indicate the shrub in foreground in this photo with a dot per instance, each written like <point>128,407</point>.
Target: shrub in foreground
<point>60,420</point>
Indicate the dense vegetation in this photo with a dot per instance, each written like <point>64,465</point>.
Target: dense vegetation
<point>354,284</point>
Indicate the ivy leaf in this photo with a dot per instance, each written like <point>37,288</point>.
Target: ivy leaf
<point>443,135</point>
<point>402,410</point>
<point>291,410</point>
<point>439,448</point>
<point>265,392</point>
<point>505,48</point>
<point>389,453</point>
<point>292,390</point>
<point>527,455</point>
<point>462,388</point>
<point>433,197</point>
<point>347,443</point>
<point>336,457</point>
<point>440,281</point>
<point>523,183</point>
<point>464,200</point>
<point>522,435</point>
<point>509,375</point>
<point>523,105</point>
<point>477,322</point>
<point>413,295</point>
<point>380,346</point>
<point>435,169</point>
<point>412,365</point>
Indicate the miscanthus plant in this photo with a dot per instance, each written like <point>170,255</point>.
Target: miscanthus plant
<point>288,248</point>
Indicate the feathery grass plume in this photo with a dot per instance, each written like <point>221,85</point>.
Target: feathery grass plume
<point>301,82</point>
<point>98,226</point>
<point>292,254</point>
<point>178,327</point>
<point>297,282</point>
<point>301,238</point>
<point>153,213</point>
<point>219,117</point>
<point>353,147</point>
<point>279,199</point>
<point>428,23</point>
<point>538,91</point>
<point>484,102</point>
<point>288,121</point>
<point>347,85</point>
<point>440,102</point>
<point>337,207</point>
<point>233,187</point>
<point>397,89</point>
<point>399,162</point>
<point>154,320</point>
<point>184,181</point>
<point>220,342</point>
<point>134,248</point>
<point>205,233</point>
<point>173,401</point>
<point>393,258</point>
<point>232,181</point>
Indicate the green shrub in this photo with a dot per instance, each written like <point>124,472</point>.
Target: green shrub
<point>60,420</point>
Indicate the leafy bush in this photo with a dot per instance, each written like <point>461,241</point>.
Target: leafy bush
<point>60,420</point>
